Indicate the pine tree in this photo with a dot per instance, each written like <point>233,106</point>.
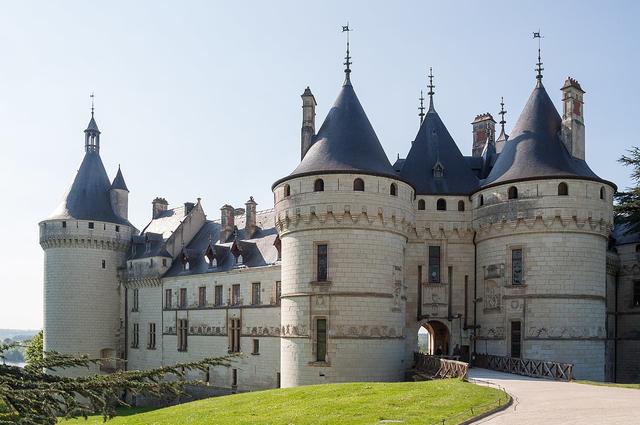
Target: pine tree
<point>627,207</point>
<point>34,349</point>
<point>31,396</point>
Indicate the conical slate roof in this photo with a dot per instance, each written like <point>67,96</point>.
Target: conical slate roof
<point>534,149</point>
<point>93,126</point>
<point>433,144</point>
<point>88,197</point>
<point>118,181</point>
<point>346,142</point>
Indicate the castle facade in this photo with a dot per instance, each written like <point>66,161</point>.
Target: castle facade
<point>508,252</point>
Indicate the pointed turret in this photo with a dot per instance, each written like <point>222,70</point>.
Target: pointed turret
<point>118,181</point>
<point>120,195</point>
<point>434,163</point>
<point>534,149</point>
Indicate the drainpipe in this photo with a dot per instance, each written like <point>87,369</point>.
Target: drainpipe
<point>475,295</point>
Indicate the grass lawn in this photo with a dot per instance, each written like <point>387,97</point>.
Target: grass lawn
<point>354,403</point>
<point>610,384</point>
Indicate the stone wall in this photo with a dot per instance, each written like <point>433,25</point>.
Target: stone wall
<point>363,299</point>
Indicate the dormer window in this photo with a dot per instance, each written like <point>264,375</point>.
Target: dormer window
<point>438,170</point>
<point>210,257</point>
<point>185,262</point>
<point>239,260</point>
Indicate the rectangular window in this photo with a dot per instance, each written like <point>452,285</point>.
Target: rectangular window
<point>91,225</point>
<point>104,264</point>
<point>235,294</point>
<point>255,293</point>
<point>278,292</point>
<point>202,296</point>
<point>167,298</point>
<point>321,254</point>
<point>135,300</point>
<point>64,224</point>
<point>278,380</point>
<point>234,377</point>
<point>164,262</point>
<point>516,266</point>
<point>152,336</point>
<point>256,346</point>
<point>636,293</point>
<point>136,336</point>
<point>117,229</point>
<point>515,339</point>
<point>234,335</point>
<point>218,295</point>
<point>321,340</point>
<point>434,264</point>
<point>183,332</point>
<point>182,300</point>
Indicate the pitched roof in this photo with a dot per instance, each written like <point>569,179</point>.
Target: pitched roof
<point>88,197</point>
<point>346,142</point>
<point>118,181</point>
<point>434,144</point>
<point>166,222</point>
<point>534,149</point>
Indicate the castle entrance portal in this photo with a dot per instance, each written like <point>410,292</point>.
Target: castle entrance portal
<point>433,338</point>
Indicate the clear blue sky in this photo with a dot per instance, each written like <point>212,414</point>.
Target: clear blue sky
<point>202,99</point>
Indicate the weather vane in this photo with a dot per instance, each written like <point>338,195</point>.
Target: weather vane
<point>92,96</point>
<point>539,67</point>
<point>345,28</point>
<point>431,87</point>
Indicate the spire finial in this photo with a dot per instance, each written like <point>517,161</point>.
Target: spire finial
<point>347,63</point>
<point>502,114</point>
<point>431,87</point>
<point>421,107</point>
<point>92,96</point>
<point>539,67</point>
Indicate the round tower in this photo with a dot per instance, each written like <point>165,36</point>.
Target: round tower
<point>343,216</point>
<point>85,242</point>
<point>542,219</point>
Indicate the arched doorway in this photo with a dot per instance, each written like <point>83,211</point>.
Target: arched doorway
<point>433,338</point>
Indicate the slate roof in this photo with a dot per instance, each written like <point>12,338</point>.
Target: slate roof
<point>622,236</point>
<point>258,251</point>
<point>148,245</point>
<point>346,142</point>
<point>535,150</point>
<point>88,197</point>
<point>433,143</point>
<point>166,223</point>
<point>118,181</point>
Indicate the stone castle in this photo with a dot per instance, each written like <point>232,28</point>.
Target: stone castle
<point>508,252</point>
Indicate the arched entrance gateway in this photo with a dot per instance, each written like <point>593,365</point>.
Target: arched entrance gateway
<point>433,338</point>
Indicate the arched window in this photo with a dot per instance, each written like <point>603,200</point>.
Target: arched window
<point>421,204</point>
<point>393,190</point>
<point>318,185</point>
<point>481,200</point>
<point>460,205</point>
<point>602,192</point>
<point>563,189</point>
<point>441,205</point>
<point>287,191</point>
<point>513,192</point>
<point>358,185</point>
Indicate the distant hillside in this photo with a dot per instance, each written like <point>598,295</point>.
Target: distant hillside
<point>17,334</point>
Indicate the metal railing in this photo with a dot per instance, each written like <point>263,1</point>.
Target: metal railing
<point>526,367</point>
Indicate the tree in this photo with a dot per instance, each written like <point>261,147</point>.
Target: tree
<point>34,349</point>
<point>32,396</point>
<point>627,207</point>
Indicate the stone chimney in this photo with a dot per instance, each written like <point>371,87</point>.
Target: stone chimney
<point>250,226</point>
<point>573,118</point>
<point>308,121</point>
<point>159,206</point>
<point>188,206</point>
<point>484,130</point>
<point>226,222</point>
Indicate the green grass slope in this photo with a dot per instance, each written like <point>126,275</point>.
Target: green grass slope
<point>353,403</point>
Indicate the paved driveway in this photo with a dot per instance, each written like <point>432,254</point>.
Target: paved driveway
<point>542,401</point>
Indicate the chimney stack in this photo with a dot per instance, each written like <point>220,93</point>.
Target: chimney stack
<point>159,206</point>
<point>226,222</point>
<point>250,226</point>
<point>308,122</point>
<point>188,206</point>
<point>573,118</point>
<point>484,130</point>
